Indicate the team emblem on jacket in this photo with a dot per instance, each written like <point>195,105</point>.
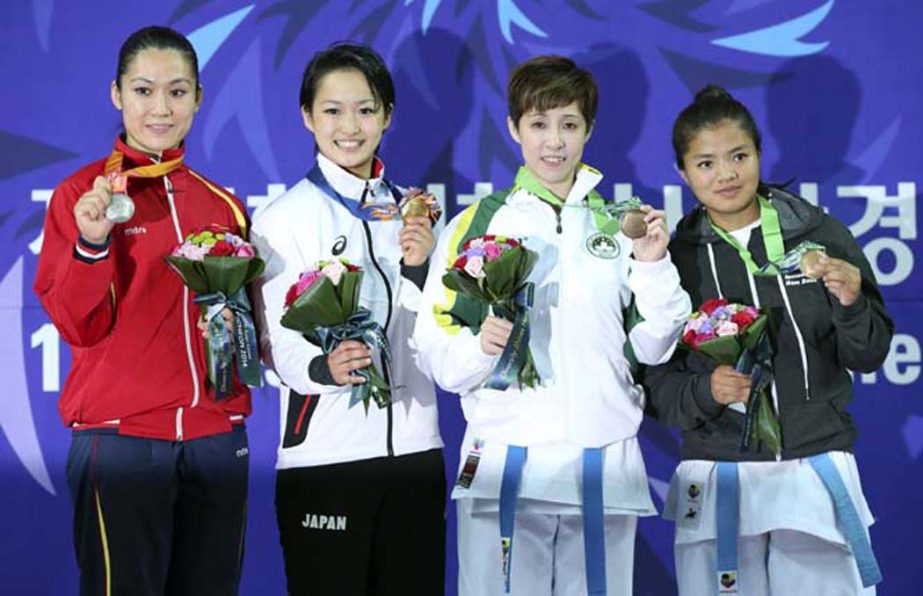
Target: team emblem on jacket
<point>339,245</point>
<point>602,245</point>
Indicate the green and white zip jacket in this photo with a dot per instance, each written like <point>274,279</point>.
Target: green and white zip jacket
<point>587,397</point>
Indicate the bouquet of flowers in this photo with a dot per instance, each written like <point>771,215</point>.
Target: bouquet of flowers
<point>492,270</point>
<point>217,265</point>
<point>323,305</point>
<point>735,334</point>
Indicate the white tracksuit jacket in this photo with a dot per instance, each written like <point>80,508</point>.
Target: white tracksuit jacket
<point>292,233</point>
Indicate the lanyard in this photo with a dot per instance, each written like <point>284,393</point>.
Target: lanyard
<point>119,179</point>
<point>605,222</point>
<point>364,211</point>
<point>772,238</point>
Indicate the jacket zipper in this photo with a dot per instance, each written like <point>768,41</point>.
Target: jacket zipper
<point>801,349</point>
<point>186,331</point>
<point>384,278</point>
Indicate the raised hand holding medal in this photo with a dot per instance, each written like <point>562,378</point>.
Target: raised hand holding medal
<point>651,245</point>
<point>90,212</point>
<point>120,208</point>
<point>642,223</point>
<point>419,211</point>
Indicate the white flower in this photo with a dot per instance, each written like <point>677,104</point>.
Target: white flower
<point>334,271</point>
<point>475,267</point>
<point>726,327</point>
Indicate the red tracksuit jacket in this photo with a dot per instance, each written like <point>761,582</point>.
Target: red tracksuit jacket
<point>138,361</point>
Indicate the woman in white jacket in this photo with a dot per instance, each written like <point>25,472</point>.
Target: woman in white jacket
<point>567,448</point>
<point>360,497</point>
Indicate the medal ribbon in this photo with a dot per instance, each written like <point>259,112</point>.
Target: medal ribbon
<point>364,211</point>
<point>772,238</point>
<point>119,179</point>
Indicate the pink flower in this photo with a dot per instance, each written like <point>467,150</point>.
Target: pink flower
<point>245,250</point>
<point>305,280</point>
<point>492,250</point>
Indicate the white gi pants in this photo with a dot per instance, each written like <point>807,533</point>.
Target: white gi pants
<point>779,563</point>
<point>547,558</point>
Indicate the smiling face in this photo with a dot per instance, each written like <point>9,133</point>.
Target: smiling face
<point>347,120</point>
<point>158,98</point>
<point>722,167</point>
<point>552,145</point>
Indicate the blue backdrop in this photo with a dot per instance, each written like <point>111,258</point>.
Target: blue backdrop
<point>833,84</point>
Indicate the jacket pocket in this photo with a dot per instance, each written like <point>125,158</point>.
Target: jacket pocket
<point>298,418</point>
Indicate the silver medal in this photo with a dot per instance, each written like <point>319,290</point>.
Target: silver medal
<point>120,208</point>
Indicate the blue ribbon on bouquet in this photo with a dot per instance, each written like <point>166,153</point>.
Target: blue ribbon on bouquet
<point>221,350</point>
<point>515,356</point>
<point>360,326</point>
<point>757,362</point>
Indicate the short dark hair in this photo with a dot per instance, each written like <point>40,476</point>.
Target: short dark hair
<point>547,82</point>
<point>347,56</point>
<point>158,38</point>
<point>712,104</point>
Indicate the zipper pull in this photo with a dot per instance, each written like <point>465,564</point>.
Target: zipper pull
<point>557,215</point>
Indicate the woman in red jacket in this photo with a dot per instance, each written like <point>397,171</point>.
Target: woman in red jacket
<point>157,467</point>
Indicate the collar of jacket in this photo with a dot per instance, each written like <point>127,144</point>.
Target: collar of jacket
<point>586,180</point>
<point>348,184</point>
<point>796,217</point>
<point>133,157</point>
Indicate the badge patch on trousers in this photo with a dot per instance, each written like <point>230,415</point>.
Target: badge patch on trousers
<point>690,512</point>
<point>471,465</point>
<point>603,245</point>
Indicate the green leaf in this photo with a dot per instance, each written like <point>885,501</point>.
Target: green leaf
<point>216,274</point>
<point>349,289</point>
<point>318,305</point>
<point>723,350</point>
<point>767,425</point>
<point>751,335</point>
<point>464,284</point>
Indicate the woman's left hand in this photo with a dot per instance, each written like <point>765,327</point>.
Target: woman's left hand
<point>417,240</point>
<point>842,279</point>
<point>202,324</point>
<point>653,245</point>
